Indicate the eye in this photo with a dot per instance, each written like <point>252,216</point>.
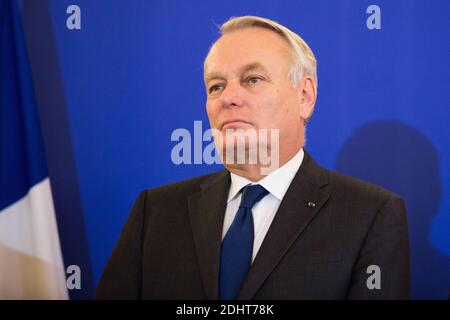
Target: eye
<point>215,88</point>
<point>253,80</point>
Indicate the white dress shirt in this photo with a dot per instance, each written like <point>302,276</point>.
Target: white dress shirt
<point>277,183</point>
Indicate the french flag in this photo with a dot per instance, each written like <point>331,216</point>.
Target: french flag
<point>31,264</point>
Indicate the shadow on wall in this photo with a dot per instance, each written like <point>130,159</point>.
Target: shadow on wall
<point>51,101</point>
<point>401,159</point>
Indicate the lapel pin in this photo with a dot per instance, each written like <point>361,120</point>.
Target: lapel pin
<point>311,204</point>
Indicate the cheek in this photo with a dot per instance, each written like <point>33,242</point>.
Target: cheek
<point>281,112</point>
<point>212,112</point>
<point>272,110</point>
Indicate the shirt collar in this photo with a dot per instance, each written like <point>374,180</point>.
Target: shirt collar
<point>276,182</point>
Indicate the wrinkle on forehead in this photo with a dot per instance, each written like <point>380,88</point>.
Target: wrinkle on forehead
<point>282,46</point>
<point>252,66</point>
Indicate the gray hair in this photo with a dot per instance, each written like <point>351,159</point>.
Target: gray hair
<point>304,61</point>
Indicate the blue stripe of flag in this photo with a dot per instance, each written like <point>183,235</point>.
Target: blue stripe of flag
<point>22,158</point>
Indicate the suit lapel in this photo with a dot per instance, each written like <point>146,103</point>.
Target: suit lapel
<point>206,213</point>
<point>300,203</point>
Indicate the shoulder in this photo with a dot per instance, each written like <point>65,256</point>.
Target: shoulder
<point>182,189</point>
<point>354,197</point>
<point>355,187</point>
<point>343,187</point>
<point>348,193</point>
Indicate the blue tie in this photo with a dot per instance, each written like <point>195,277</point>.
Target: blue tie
<point>237,246</point>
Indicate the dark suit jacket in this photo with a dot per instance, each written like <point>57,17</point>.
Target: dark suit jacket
<point>328,229</point>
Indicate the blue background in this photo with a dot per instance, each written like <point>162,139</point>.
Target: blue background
<point>111,94</point>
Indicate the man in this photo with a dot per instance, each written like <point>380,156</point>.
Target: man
<point>294,232</point>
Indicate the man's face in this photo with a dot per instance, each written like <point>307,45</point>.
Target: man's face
<point>248,87</point>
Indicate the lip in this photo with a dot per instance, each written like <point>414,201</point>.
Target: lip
<point>233,122</point>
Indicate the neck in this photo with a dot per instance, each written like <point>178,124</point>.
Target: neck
<point>255,172</point>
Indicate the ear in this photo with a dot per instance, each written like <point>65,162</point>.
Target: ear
<point>308,94</point>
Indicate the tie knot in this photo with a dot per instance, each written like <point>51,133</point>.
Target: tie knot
<point>251,195</point>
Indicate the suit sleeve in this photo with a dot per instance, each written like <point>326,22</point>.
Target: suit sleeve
<point>382,268</point>
<point>121,278</point>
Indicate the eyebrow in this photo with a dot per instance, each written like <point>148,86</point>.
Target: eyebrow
<point>246,68</point>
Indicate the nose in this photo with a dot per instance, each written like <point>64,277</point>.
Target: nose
<point>232,95</point>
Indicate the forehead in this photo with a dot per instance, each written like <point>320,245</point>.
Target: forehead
<point>241,47</point>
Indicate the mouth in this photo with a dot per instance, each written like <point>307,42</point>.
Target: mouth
<point>234,124</point>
